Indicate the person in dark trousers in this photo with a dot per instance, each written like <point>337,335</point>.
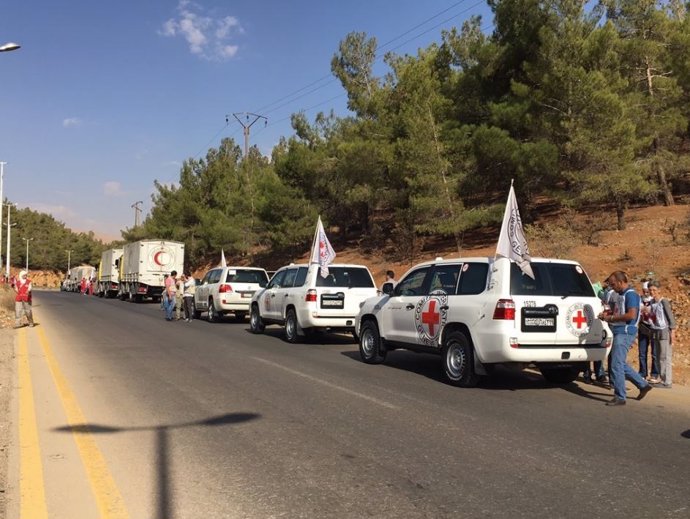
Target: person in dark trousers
<point>663,333</point>
<point>644,342</point>
<point>623,323</point>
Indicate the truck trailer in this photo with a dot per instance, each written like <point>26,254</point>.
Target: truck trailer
<point>108,284</point>
<point>144,265</point>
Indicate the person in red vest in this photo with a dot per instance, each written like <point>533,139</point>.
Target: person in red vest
<point>22,301</point>
<point>82,286</point>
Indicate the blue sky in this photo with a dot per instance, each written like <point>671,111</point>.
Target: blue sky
<point>103,98</point>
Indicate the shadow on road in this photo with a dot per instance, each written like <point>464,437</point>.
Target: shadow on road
<point>320,338</point>
<point>165,497</point>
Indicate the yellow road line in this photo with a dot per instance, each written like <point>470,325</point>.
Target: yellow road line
<point>31,490</point>
<point>108,498</point>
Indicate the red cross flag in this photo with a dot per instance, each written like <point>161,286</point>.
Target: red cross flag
<point>512,243</point>
<point>322,253</point>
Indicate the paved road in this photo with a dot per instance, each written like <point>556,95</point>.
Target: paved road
<point>141,418</point>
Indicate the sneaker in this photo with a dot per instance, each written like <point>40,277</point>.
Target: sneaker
<point>603,380</point>
<point>664,386</point>
<point>655,380</point>
<point>616,401</point>
<point>644,391</point>
<point>31,325</point>
<point>587,379</point>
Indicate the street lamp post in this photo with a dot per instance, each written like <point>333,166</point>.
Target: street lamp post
<point>27,240</point>
<point>2,201</point>
<point>69,257</point>
<point>7,262</point>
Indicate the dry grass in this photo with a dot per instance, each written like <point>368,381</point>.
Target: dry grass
<point>7,300</point>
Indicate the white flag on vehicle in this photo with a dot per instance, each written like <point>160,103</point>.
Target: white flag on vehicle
<point>322,253</point>
<point>512,243</point>
<point>223,263</point>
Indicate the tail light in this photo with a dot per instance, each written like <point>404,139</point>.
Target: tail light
<point>505,310</point>
<point>311,296</point>
<point>225,289</point>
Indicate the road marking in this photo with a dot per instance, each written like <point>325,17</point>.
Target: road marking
<point>108,498</point>
<point>328,384</point>
<point>31,490</point>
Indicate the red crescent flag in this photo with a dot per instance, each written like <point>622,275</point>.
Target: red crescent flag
<point>322,253</point>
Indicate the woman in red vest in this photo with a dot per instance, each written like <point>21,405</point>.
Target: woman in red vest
<point>22,301</point>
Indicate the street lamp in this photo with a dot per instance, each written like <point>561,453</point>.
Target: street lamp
<point>27,240</point>
<point>7,262</point>
<point>7,47</point>
<point>2,201</point>
<point>69,257</point>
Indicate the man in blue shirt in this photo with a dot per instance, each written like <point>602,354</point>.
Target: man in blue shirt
<point>623,323</point>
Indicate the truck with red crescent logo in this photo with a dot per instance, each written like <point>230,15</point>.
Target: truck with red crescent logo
<point>144,265</point>
<point>478,313</point>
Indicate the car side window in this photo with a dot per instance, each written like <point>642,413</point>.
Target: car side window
<point>277,280</point>
<point>215,277</point>
<point>207,278</point>
<point>473,278</point>
<point>445,278</point>
<point>301,277</point>
<point>290,276</point>
<point>413,283</point>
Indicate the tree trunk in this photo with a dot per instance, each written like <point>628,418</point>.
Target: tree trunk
<point>620,214</point>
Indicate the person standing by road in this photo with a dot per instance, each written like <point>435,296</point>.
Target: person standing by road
<point>188,297</point>
<point>644,338</point>
<point>663,325</point>
<point>169,295</point>
<point>623,322</point>
<point>179,302</point>
<point>22,301</point>
<point>390,282</point>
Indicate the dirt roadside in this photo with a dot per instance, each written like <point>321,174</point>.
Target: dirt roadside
<point>7,363</point>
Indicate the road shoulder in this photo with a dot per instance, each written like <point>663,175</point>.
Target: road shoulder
<point>7,365</point>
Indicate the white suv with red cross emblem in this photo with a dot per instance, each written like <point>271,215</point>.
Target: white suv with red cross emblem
<point>301,299</point>
<point>481,312</point>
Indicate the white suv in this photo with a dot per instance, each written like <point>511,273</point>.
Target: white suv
<point>228,290</point>
<point>480,312</point>
<point>299,298</point>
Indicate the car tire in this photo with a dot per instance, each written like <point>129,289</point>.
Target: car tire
<point>291,326</point>
<point>458,361</point>
<point>212,316</point>
<point>256,324</point>
<point>371,347</point>
<point>239,317</point>
<point>560,375</point>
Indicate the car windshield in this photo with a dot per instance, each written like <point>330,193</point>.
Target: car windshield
<point>551,279</point>
<point>246,276</point>
<point>346,277</point>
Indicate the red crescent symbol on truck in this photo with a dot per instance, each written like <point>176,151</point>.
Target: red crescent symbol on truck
<point>156,260</point>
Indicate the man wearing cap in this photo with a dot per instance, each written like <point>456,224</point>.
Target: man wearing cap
<point>22,301</point>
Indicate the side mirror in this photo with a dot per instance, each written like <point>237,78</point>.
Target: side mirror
<point>262,283</point>
<point>387,288</point>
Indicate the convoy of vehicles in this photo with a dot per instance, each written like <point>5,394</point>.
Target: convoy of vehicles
<point>144,265</point>
<point>476,313</point>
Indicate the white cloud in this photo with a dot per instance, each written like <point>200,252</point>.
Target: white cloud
<point>71,122</point>
<point>207,37</point>
<point>112,188</point>
<point>60,212</point>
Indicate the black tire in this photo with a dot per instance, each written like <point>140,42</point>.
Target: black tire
<point>212,316</point>
<point>560,375</point>
<point>239,317</point>
<point>291,326</point>
<point>197,314</point>
<point>256,323</point>
<point>458,361</point>
<point>371,347</point>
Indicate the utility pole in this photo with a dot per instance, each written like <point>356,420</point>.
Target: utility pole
<point>69,257</point>
<point>137,212</point>
<point>246,125</point>
<point>9,234</point>
<point>2,201</point>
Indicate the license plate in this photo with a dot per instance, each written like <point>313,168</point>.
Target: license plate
<point>335,301</point>
<point>247,295</point>
<point>540,321</point>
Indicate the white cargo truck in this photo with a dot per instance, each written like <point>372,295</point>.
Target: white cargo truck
<point>143,267</point>
<point>108,284</point>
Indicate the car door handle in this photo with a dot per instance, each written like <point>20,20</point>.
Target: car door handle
<point>285,295</point>
<point>410,306</point>
<point>444,307</point>
<point>273,295</point>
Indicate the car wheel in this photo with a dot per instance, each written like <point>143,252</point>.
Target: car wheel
<point>371,348</point>
<point>458,361</point>
<point>212,315</point>
<point>239,316</point>
<point>560,375</point>
<point>291,326</point>
<point>256,324</point>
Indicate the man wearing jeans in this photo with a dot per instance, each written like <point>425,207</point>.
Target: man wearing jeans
<point>623,323</point>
